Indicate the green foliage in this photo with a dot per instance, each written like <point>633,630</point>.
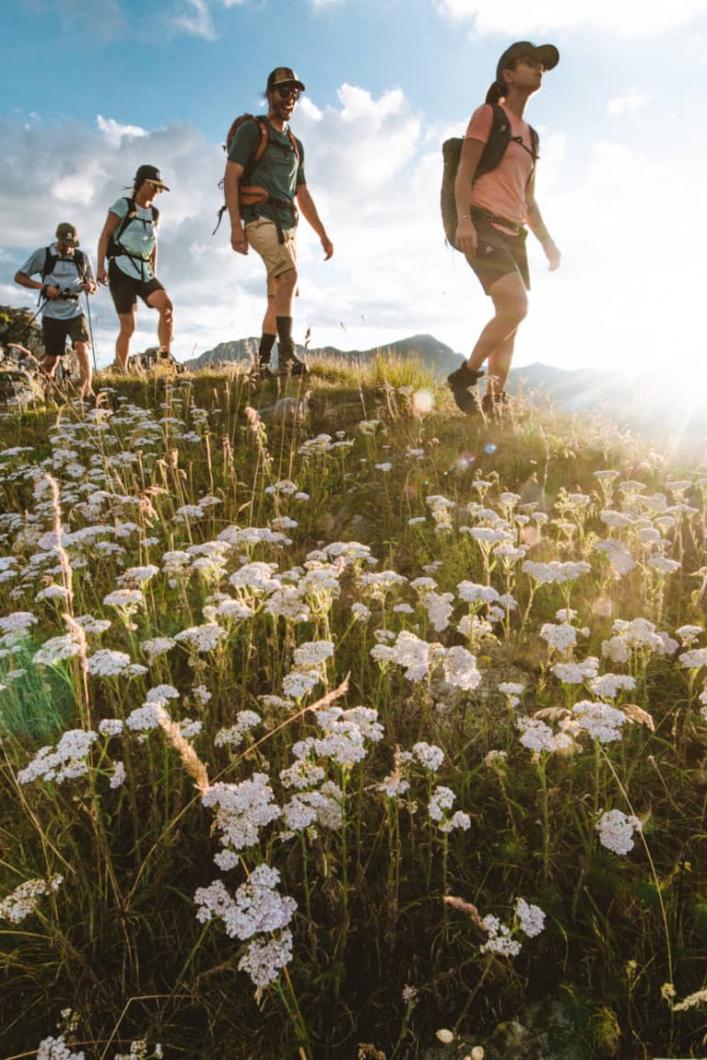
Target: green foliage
<point>119,941</point>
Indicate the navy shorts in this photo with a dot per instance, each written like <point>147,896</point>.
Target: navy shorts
<point>55,333</point>
<point>125,289</point>
<point>498,254</point>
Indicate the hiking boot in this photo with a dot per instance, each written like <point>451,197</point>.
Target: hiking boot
<point>459,383</point>
<point>261,370</point>
<point>494,405</point>
<point>290,363</point>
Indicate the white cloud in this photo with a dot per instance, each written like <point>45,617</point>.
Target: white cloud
<point>628,104</point>
<point>196,21</point>
<point>630,18</point>
<point>320,5</point>
<point>114,131</point>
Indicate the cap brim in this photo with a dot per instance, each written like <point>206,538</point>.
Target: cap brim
<point>548,55</point>
<point>295,84</point>
<point>158,184</point>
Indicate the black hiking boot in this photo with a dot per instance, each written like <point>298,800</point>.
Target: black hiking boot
<point>459,383</point>
<point>290,363</point>
<point>261,370</point>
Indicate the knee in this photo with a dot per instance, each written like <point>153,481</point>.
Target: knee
<point>287,280</point>
<point>513,313</point>
<point>127,326</point>
<point>167,309</point>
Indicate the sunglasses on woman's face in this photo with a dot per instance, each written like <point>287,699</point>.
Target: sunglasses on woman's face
<point>289,93</point>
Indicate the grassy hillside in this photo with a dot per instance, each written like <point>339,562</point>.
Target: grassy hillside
<point>332,720</point>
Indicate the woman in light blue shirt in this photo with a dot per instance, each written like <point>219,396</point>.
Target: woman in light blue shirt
<point>129,242</point>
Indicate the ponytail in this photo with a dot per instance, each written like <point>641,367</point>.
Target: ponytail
<point>496,92</point>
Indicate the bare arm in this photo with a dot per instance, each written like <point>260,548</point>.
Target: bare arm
<point>48,291</point>
<point>538,228</point>
<point>472,151</point>
<point>306,205</point>
<point>231,190</point>
<point>112,222</point>
<point>26,281</point>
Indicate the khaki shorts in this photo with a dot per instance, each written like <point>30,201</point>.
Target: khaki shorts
<point>278,257</point>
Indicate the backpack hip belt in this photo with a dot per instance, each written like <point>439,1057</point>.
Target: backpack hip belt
<point>480,213</point>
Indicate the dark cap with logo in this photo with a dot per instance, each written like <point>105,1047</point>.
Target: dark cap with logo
<point>547,54</point>
<point>284,75</point>
<point>66,233</point>
<point>152,174</point>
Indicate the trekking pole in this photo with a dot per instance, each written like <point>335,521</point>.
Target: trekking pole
<point>90,331</point>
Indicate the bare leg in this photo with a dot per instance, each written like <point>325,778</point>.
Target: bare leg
<point>269,320</point>
<point>161,301</point>
<point>85,366</point>
<point>122,343</point>
<point>281,302</point>
<point>499,365</point>
<point>511,305</point>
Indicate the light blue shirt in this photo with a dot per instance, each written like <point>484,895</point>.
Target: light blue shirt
<point>139,238</point>
<point>64,275</point>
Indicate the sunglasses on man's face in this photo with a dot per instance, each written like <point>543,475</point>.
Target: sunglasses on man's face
<point>289,93</point>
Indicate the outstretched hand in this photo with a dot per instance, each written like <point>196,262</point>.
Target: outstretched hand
<point>328,247</point>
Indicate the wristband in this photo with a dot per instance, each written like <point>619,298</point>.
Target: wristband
<point>43,291</point>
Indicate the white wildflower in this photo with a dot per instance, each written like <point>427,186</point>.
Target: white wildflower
<point>616,831</point>
<point>531,918</point>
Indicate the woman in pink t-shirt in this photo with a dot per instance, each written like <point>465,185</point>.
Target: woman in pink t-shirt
<point>493,206</point>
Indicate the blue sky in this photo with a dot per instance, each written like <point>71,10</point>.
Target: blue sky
<point>621,179</point>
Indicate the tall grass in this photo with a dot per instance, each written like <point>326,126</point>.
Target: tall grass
<point>359,471</point>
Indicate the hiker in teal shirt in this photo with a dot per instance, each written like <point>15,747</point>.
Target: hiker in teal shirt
<point>129,242</point>
<point>264,184</point>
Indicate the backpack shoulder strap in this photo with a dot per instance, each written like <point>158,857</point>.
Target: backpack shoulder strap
<point>497,142</point>
<point>155,215</point>
<point>80,263</point>
<point>534,143</point>
<point>50,261</point>
<point>264,130</point>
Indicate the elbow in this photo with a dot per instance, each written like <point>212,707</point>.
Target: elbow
<point>19,278</point>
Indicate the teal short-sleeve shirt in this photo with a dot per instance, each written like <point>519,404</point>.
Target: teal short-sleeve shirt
<point>278,171</point>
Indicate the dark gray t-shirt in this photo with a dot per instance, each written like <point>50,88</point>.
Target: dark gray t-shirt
<point>65,274</point>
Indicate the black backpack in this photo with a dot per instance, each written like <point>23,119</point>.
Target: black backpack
<point>494,150</point>
<point>115,248</point>
<point>50,260</point>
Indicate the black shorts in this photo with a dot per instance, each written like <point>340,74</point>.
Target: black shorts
<point>54,333</point>
<point>497,254</point>
<point>125,289</point>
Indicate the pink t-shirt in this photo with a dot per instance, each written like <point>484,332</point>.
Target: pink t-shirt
<point>502,191</point>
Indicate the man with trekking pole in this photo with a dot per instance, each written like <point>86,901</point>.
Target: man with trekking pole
<point>264,184</point>
<point>66,272</point>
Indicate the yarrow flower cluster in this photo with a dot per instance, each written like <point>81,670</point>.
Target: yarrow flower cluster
<point>616,830</point>
<point>441,801</point>
<point>256,909</point>
<point>23,901</point>
<point>66,762</point>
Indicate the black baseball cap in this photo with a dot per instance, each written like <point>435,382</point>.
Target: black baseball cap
<point>152,174</point>
<point>547,54</point>
<point>284,75</point>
